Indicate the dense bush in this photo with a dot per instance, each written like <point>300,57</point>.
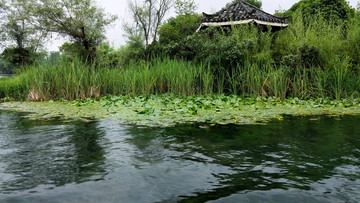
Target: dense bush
<point>19,56</point>
<point>72,51</point>
<point>331,10</point>
<point>5,68</point>
<point>178,28</point>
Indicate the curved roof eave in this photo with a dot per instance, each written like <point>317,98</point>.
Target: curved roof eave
<point>214,24</point>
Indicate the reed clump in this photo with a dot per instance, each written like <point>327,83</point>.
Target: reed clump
<point>76,80</point>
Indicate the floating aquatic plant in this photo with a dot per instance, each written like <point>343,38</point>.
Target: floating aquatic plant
<point>166,110</point>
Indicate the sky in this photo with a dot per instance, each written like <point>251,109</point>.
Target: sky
<point>115,33</point>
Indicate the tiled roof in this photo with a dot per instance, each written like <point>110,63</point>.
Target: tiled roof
<point>240,11</point>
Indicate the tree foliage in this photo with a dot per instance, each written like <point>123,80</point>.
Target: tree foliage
<point>178,28</point>
<point>185,7</point>
<point>256,3</point>
<point>2,17</point>
<point>3,9</point>
<point>73,51</point>
<point>333,10</point>
<point>5,69</point>
<point>2,4</point>
<point>21,39</point>
<point>18,29</point>
<point>81,21</point>
<point>19,56</point>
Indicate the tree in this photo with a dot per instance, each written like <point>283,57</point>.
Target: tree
<point>18,28</point>
<point>23,40</point>
<point>2,17</point>
<point>334,10</point>
<point>184,24</point>
<point>134,52</point>
<point>5,68</point>
<point>256,3</point>
<point>2,4</point>
<point>3,7</point>
<point>54,56</point>
<point>80,20</point>
<point>185,7</point>
<point>73,51</point>
<point>18,56</point>
<point>178,28</point>
<point>148,17</point>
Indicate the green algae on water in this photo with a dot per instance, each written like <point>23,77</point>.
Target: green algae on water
<point>166,110</point>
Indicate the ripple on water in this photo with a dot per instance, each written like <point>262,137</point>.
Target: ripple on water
<point>108,162</point>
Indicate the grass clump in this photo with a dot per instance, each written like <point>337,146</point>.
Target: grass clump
<point>77,80</point>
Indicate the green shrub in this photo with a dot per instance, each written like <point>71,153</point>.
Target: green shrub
<point>309,56</point>
<point>178,28</point>
<point>331,10</point>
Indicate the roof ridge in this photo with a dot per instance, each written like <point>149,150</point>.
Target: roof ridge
<point>261,9</point>
<point>226,8</point>
<point>241,10</point>
<point>241,4</point>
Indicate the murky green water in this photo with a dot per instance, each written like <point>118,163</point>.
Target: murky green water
<point>301,159</point>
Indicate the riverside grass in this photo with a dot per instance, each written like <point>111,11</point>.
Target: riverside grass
<point>76,80</point>
<point>170,92</point>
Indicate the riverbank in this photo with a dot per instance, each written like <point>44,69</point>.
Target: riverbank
<point>76,80</point>
<point>166,110</point>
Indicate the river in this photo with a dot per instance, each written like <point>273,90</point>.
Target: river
<point>299,159</point>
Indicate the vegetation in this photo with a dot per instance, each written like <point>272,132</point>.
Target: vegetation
<point>26,25</point>
<point>331,10</point>
<point>168,110</point>
<point>317,58</point>
<point>185,7</point>
<point>75,79</point>
<point>148,16</point>
<point>4,69</point>
<point>82,21</point>
<point>24,42</point>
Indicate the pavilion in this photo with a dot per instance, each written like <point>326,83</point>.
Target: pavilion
<point>241,12</point>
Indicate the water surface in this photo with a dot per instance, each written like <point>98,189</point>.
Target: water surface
<point>300,159</point>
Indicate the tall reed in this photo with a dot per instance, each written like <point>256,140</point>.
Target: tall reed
<point>75,80</point>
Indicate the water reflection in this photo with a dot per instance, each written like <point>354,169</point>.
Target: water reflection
<point>284,155</point>
<point>52,153</point>
<point>301,159</point>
